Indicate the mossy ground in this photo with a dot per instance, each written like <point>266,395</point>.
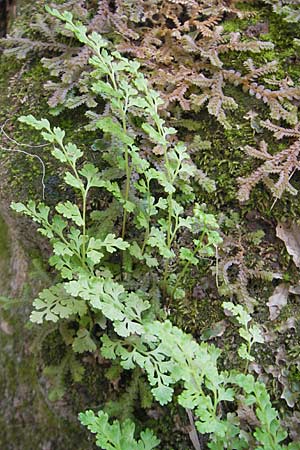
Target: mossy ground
<point>28,419</point>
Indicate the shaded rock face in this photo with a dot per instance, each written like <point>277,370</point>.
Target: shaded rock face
<point>13,262</point>
<point>7,10</point>
<point>3,16</point>
<point>4,259</point>
<point>13,270</point>
<point>28,420</point>
<point>18,379</point>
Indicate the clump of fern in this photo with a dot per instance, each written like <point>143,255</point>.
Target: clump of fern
<point>189,37</point>
<point>98,269</point>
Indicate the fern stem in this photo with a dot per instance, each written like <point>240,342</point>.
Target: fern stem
<point>84,227</point>
<point>127,189</point>
<point>250,343</point>
<point>147,232</point>
<point>169,242</point>
<point>187,264</point>
<point>127,169</point>
<point>84,192</point>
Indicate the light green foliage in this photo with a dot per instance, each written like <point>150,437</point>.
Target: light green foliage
<point>95,289</point>
<point>270,433</point>
<point>117,436</point>
<point>251,334</point>
<point>289,9</point>
<point>77,254</point>
<point>54,303</point>
<point>122,308</point>
<point>118,79</point>
<point>168,355</point>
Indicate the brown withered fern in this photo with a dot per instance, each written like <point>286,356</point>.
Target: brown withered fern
<point>277,169</point>
<point>180,44</point>
<point>183,43</point>
<point>238,269</point>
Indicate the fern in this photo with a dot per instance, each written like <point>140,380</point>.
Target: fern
<point>117,436</point>
<point>282,164</point>
<point>239,268</point>
<point>95,290</point>
<point>289,9</point>
<point>137,393</point>
<point>168,355</point>
<point>69,367</point>
<point>159,40</point>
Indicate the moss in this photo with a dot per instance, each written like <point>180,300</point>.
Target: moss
<point>225,162</point>
<point>4,258</point>
<point>27,93</point>
<point>294,377</point>
<point>171,425</point>
<point>195,315</point>
<point>33,421</point>
<point>28,420</point>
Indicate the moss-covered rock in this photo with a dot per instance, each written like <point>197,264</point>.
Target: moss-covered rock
<point>29,418</point>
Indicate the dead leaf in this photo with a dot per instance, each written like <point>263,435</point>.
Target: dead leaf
<point>158,150</point>
<point>295,289</point>
<point>289,396</point>
<point>269,333</point>
<point>247,415</point>
<point>291,237</point>
<point>292,422</point>
<point>193,432</point>
<point>278,300</point>
<point>287,325</point>
<point>216,330</point>
<point>255,367</point>
<point>6,328</point>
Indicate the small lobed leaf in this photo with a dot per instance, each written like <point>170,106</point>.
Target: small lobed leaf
<point>187,255</point>
<point>83,342</point>
<point>73,181</point>
<point>70,211</point>
<point>163,394</point>
<point>108,125</point>
<point>54,303</point>
<point>118,435</point>
<point>73,152</point>
<point>35,123</point>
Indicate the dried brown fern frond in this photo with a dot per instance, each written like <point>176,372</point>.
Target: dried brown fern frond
<point>179,42</point>
<point>213,95</point>
<point>79,8</point>
<point>280,132</point>
<point>206,27</point>
<point>100,21</point>
<point>256,72</point>
<point>178,94</point>
<point>72,75</point>
<point>277,169</point>
<point>238,268</point>
<point>279,100</point>
<point>188,55</point>
<point>19,46</point>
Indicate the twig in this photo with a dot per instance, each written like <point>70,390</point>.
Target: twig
<point>193,433</point>
<point>33,155</point>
